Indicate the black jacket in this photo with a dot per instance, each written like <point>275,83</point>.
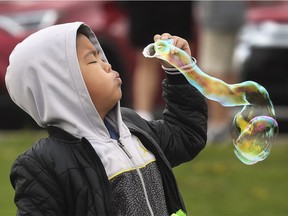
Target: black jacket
<point>62,175</point>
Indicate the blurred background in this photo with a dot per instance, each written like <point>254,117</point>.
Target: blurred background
<point>253,46</point>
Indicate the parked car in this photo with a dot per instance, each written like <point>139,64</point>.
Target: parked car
<point>20,19</point>
<point>261,54</point>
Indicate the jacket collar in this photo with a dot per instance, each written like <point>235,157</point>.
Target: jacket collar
<point>60,134</point>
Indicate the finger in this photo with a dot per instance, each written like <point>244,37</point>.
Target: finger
<point>165,36</point>
<point>179,42</point>
<point>157,37</point>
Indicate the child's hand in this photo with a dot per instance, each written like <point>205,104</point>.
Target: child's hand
<point>177,42</point>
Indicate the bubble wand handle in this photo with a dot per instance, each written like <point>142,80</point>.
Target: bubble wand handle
<point>254,128</point>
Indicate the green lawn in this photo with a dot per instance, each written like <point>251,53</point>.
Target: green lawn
<point>11,145</point>
<point>215,183</point>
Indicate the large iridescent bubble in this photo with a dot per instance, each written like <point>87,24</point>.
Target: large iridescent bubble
<point>254,128</point>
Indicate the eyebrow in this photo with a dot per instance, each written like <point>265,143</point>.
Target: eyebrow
<point>93,52</point>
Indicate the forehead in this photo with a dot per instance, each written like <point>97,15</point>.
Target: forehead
<point>83,42</point>
<point>85,47</point>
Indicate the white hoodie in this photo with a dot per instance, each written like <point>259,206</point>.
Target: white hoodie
<point>45,80</point>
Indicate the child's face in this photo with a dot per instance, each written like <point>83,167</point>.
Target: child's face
<point>103,83</point>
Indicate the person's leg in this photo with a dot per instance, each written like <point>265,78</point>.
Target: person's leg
<point>215,58</point>
<point>145,85</point>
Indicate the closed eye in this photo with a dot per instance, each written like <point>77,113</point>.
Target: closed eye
<point>93,62</point>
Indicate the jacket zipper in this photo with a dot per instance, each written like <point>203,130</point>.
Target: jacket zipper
<point>139,174</point>
<point>153,149</point>
<point>124,149</point>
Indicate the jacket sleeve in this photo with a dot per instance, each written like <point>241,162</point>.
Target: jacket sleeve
<point>36,192</point>
<point>182,133</point>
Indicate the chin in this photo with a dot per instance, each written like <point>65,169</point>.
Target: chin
<point>120,94</point>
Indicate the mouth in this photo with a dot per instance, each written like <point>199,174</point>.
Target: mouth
<point>117,77</point>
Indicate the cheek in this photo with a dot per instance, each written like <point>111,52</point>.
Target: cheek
<point>101,87</point>
<point>98,86</point>
<point>93,84</point>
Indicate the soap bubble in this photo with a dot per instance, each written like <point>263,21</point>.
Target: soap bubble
<point>254,128</point>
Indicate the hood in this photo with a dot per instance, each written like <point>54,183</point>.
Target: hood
<point>44,79</point>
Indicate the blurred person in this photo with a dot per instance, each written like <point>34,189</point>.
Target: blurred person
<point>146,19</point>
<point>99,158</point>
<point>219,24</point>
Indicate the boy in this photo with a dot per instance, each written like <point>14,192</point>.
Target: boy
<point>99,159</point>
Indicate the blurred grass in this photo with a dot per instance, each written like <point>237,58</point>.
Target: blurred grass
<point>12,143</point>
<point>215,183</point>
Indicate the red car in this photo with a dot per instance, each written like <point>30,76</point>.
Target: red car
<point>20,19</point>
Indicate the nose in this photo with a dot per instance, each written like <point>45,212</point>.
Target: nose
<point>107,67</point>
